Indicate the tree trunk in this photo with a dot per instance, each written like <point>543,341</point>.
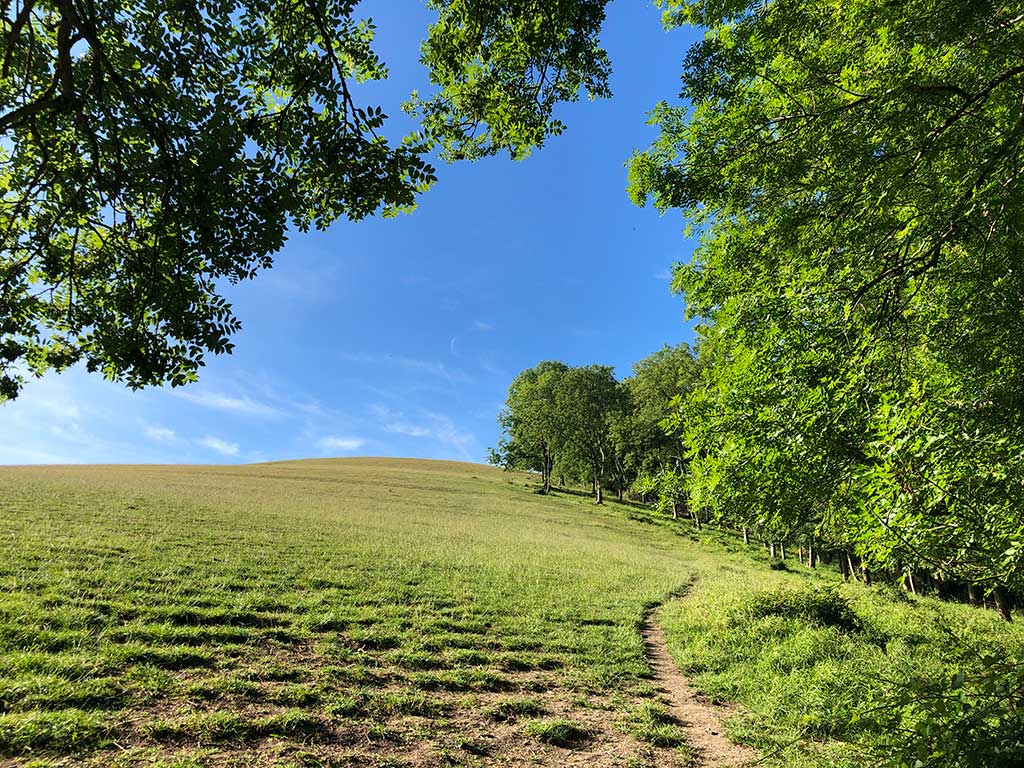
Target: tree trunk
<point>771,550</point>
<point>800,554</point>
<point>999,596</point>
<point>675,510</point>
<point>812,557</point>
<point>973,595</point>
<point>782,550</point>
<point>746,535</point>
<point>866,574</point>
<point>908,583</point>
<point>620,474</point>
<point>849,566</point>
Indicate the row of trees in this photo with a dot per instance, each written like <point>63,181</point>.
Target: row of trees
<point>860,278</point>
<point>583,426</point>
<point>855,174</point>
<point>674,434</point>
<point>854,170</point>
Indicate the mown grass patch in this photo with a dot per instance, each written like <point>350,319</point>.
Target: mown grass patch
<point>512,709</point>
<point>651,722</point>
<point>169,609</point>
<point>371,608</point>
<point>67,731</point>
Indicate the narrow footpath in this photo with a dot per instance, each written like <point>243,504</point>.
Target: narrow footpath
<point>700,720</point>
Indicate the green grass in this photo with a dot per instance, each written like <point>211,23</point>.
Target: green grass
<point>806,656</point>
<point>652,722</point>
<point>560,732</point>
<point>344,608</point>
<point>357,612</point>
<point>511,709</point>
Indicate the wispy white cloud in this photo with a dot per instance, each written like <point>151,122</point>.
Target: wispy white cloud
<point>335,443</point>
<point>223,447</point>
<point>66,418</point>
<point>488,363</point>
<point>244,405</point>
<point>29,455</point>
<point>428,367</point>
<point>430,425</point>
<point>80,418</point>
<point>479,326</point>
<point>664,274</point>
<point>160,434</point>
<point>407,428</point>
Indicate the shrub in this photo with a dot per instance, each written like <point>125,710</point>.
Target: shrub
<point>824,607</point>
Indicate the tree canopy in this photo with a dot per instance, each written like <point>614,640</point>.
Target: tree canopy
<point>588,427</point>
<point>152,150</point>
<point>854,173</point>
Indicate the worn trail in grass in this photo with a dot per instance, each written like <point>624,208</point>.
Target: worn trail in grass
<point>700,719</point>
<point>325,613</point>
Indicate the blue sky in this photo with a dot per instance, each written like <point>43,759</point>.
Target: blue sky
<point>400,337</point>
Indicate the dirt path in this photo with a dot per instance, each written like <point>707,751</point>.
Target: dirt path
<point>701,721</point>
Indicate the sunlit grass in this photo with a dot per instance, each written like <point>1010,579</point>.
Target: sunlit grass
<point>358,612</point>
<point>358,606</point>
<point>803,652</point>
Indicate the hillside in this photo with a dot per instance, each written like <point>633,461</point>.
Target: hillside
<point>383,612</point>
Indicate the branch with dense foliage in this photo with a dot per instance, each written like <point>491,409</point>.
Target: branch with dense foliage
<point>151,151</point>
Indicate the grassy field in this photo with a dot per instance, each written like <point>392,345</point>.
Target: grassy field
<point>394,613</point>
<point>363,612</point>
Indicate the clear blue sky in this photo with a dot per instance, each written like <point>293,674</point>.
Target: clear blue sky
<point>400,337</point>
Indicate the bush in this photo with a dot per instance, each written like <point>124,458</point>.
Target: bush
<point>824,607</point>
<point>970,718</point>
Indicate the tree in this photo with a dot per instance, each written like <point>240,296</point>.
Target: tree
<point>658,381</point>
<point>503,66</point>
<point>152,150</point>
<point>857,178</point>
<point>531,423</point>
<point>586,398</point>
<point>643,443</point>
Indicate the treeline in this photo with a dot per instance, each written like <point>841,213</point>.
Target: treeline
<point>682,435</point>
<point>855,183</point>
<point>582,426</point>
